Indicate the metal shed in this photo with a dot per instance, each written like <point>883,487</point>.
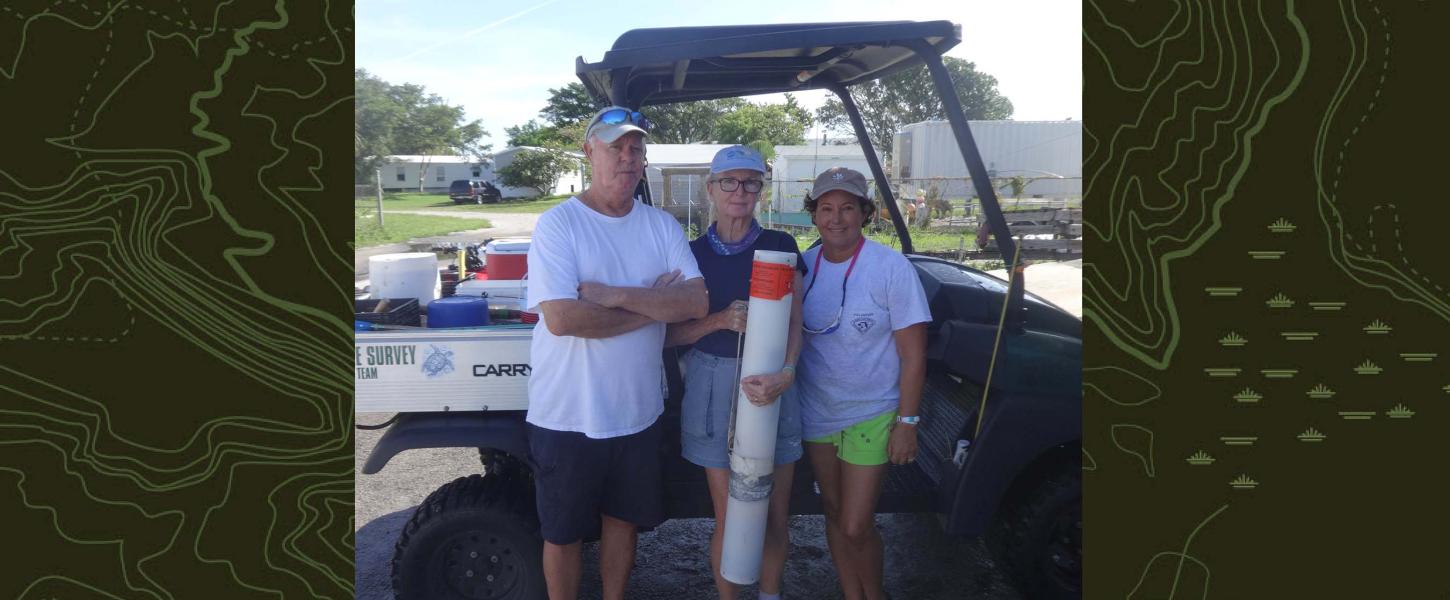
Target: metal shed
<point>1047,152</point>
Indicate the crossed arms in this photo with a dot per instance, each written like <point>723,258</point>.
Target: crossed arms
<point>604,311</point>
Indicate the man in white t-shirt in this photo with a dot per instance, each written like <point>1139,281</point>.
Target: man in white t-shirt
<point>606,273</point>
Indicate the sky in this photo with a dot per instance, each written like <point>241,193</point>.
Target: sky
<point>499,59</point>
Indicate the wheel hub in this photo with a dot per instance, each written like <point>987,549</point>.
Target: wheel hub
<point>481,566</point>
<point>1064,549</point>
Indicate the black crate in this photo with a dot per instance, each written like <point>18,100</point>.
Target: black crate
<point>387,311</point>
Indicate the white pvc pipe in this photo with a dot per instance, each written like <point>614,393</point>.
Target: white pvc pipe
<point>752,455</point>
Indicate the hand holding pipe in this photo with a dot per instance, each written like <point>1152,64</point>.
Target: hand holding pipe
<point>752,452</point>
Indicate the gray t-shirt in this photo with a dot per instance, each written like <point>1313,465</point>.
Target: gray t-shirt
<point>852,374</point>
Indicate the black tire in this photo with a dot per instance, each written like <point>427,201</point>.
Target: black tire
<point>476,538</point>
<point>1040,538</point>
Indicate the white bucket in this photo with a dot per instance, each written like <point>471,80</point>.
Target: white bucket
<point>404,275</point>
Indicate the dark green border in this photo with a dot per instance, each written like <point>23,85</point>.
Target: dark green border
<point>1260,172</point>
<point>175,402</point>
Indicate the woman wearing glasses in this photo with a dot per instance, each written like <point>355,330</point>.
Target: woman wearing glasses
<point>862,369</point>
<point>725,254</point>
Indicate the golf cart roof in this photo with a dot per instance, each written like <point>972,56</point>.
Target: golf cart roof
<point>679,64</point>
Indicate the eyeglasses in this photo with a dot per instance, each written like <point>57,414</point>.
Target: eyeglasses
<point>615,116</point>
<point>836,323</point>
<point>730,184</point>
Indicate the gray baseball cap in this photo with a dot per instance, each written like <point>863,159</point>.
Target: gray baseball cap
<point>621,121</point>
<point>840,178</point>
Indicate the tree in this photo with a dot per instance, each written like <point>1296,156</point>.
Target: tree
<point>686,122</point>
<point>568,104</point>
<point>770,123</point>
<point>537,134</point>
<point>765,148</point>
<point>727,120</point>
<point>910,96</point>
<point>767,151</point>
<point>436,128</point>
<point>571,136</point>
<point>565,114</point>
<point>406,119</point>
<point>375,116</point>
<point>538,169</point>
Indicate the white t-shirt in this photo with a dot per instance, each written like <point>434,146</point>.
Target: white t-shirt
<point>601,387</point>
<point>853,374</point>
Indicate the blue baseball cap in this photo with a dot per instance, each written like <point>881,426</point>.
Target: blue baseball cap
<point>734,157</point>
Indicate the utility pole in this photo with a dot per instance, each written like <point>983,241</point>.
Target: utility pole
<point>379,179</point>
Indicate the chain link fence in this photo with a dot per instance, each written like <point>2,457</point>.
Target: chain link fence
<point>1050,223</point>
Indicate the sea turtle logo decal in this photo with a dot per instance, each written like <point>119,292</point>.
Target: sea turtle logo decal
<point>839,177</point>
<point>863,324</point>
<point>439,361</point>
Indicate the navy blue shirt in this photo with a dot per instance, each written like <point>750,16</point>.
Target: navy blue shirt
<point>728,279</point>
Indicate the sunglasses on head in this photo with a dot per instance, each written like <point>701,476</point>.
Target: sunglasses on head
<point>615,116</point>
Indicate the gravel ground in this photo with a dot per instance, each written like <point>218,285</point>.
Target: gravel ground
<point>672,561</point>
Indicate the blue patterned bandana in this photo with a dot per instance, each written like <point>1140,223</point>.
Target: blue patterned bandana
<point>724,249</point>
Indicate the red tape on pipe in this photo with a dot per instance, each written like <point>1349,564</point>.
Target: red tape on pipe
<point>770,281</point>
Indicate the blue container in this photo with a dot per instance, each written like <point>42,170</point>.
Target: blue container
<point>458,311</point>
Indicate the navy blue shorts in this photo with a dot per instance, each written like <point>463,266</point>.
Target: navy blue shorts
<point>577,478</point>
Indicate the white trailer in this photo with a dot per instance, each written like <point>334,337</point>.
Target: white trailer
<point>1040,150</point>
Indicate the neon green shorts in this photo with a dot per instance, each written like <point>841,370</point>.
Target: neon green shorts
<point>864,443</point>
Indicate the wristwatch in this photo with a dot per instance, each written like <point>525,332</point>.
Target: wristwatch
<point>912,420</point>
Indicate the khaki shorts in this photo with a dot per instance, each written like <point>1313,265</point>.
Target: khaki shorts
<point>864,443</point>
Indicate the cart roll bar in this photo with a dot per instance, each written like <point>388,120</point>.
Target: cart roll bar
<point>882,184</point>
<point>619,80</point>
<point>980,180</point>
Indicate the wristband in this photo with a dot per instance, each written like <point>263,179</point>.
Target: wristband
<point>790,368</point>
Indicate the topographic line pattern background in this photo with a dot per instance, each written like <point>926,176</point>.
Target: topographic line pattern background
<point>175,402</point>
<point>1266,298</point>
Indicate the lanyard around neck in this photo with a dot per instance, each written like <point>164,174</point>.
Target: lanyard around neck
<point>816,271</point>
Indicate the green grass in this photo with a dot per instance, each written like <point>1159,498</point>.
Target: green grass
<point>922,241</point>
<point>1010,204</point>
<point>932,241</point>
<point>393,202</point>
<point>401,228</point>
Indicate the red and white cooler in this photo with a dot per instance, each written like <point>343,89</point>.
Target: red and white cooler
<point>507,258</point>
